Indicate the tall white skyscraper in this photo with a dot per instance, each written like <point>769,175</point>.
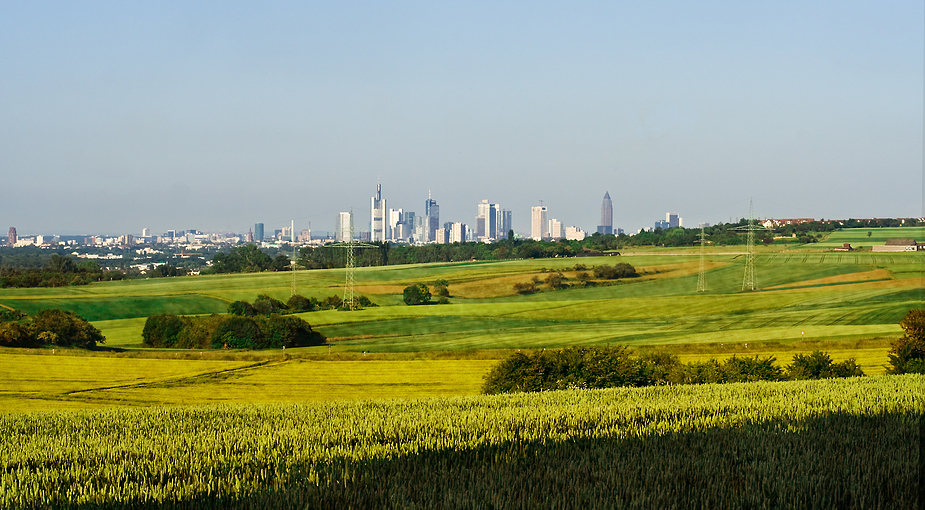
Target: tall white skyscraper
<point>378,227</point>
<point>344,227</point>
<point>395,217</point>
<point>538,223</point>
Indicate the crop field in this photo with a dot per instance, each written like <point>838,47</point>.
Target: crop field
<point>848,304</point>
<point>807,444</point>
<point>50,382</point>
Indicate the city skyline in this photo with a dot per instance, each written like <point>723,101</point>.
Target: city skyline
<point>213,116</point>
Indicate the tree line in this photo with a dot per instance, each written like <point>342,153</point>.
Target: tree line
<point>47,327</point>
<point>606,367</point>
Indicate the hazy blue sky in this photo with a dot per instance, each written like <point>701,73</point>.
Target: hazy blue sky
<point>116,116</point>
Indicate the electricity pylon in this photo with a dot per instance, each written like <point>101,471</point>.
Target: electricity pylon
<point>350,244</point>
<point>702,275</point>
<point>749,282</point>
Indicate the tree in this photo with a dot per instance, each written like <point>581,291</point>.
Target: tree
<point>819,365</point>
<point>298,303</point>
<point>441,288</point>
<point>266,305</point>
<point>162,330</point>
<point>286,331</point>
<point>242,308</point>
<point>907,355</point>
<point>555,280</point>
<point>416,294</point>
<point>69,329</point>
<point>237,333</point>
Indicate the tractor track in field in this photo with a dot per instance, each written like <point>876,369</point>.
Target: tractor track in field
<point>181,380</point>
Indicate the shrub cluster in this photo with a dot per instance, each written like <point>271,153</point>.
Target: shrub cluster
<point>47,327</point>
<point>621,270</point>
<point>606,367</point>
<point>907,355</point>
<point>265,305</point>
<point>234,331</point>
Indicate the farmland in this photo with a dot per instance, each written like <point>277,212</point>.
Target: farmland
<point>390,403</point>
<point>848,304</point>
<point>807,444</point>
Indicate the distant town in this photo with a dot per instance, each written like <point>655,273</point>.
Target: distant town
<point>382,224</point>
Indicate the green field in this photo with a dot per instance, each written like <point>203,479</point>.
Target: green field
<point>809,297</point>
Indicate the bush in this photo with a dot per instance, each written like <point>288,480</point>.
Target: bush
<point>237,333</point>
<point>162,330</point>
<point>819,365</point>
<point>15,335</point>
<point>441,288</point>
<point>242,308</point>
<point>555,281</point>
<point>621,270</point>
<point>416,294</point>
<point>265,305</point>
<point>286,331</point>
<point>11,315</point>
<point>525,287</point>
<point>68,329</point>
<point>907,355</point>
<point>298,304</point>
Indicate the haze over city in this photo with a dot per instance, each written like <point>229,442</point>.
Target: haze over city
<point>118,117</point>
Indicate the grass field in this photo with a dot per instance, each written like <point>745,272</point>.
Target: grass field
<point>848,304</point>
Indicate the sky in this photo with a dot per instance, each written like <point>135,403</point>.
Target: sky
<point>118,116</point>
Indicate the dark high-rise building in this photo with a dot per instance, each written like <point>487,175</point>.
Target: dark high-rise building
<point>606,226</point>
<point>431,219</point>
<point>11,238</point>
<point>258,232</point>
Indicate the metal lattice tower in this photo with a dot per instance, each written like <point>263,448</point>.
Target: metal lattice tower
<point>702,275</point>
<point>748,282</point>
<point>350,245</point>
<point>293,289</point>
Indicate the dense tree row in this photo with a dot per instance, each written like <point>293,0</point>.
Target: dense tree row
<point>247,259</point>
<point>47,327</point>
<point>229,331</point>
<point>607,367</point>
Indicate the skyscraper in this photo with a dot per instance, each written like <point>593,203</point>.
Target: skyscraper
<point>538,224</point>
<point>506,224</point>
<point>258,232</point>
<point>395,218</point>
<point>378,227</point>
<point>487,221</point>
<point>556,231</point>
<point>606,226</point>
<point>11,238</point>
<point>672,220</point>
<point>431,219</point>
<point>344,227</point>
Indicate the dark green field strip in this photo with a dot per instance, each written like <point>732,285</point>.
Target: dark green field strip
<point>433,325</point>
<point>106,308</point>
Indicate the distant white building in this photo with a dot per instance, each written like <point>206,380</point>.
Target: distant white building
<point>574,233</point>
<point>378,223</point>
<point>344,227</point>
<point>457,233</point>
<point>555,230</point>
<point>538,223</point>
